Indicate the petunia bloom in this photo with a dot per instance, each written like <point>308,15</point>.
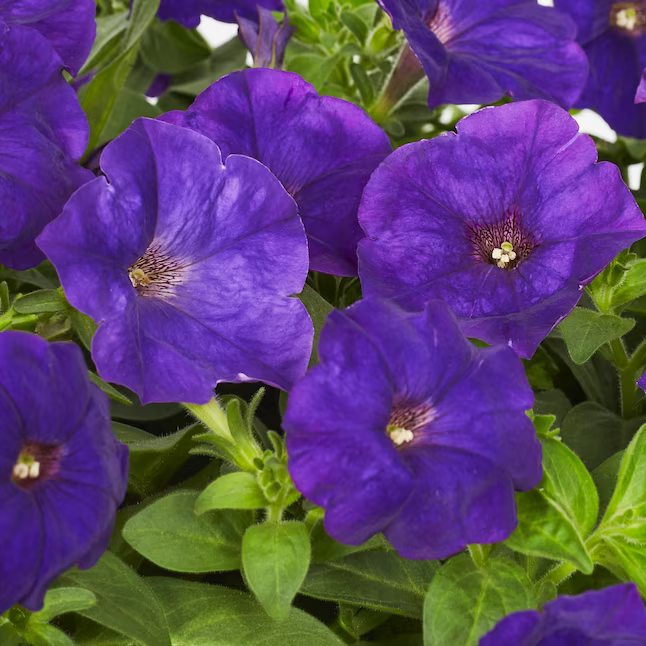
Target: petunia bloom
<point>405,428</point>
<point>641,382</point>
<point>613,616</point>
<point>475,52</point>
<point>186,264</point>
<point>640,95</point>
<point>613,35</point>
<point>188,12</point>
<point>67,24</point>
<point>42,132</point>
<point>321,148</point>
<point>505,221</point>
<point>265,38</point>
<point>62,472</point>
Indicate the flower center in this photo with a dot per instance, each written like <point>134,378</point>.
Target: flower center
<point>406,421</point>
<point>440,23</point>
<point>503,244</point>
<point>629,17</point>
<point>35,462</point>
<point>156,273</point>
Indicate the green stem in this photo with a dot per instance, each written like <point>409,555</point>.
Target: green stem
<point>274,514</point>
<point>626,376</point>
<point>560,573</point>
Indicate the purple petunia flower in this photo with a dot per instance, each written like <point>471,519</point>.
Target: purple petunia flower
<point>504,221</point>
<point>475,51</point>
<point>613,616</point>
<point>186,264</point>
<point>265,38</point>
<point>641,382</point>
<point>42,132</point>
<point>67,24</point>
<point>406,428</point>
<point>321,148</point>
<point>188,12</point>
<point>62,473</point>
<point>613,35</point>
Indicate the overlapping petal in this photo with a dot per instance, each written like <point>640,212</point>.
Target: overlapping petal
<point>434,207</point>
<point>614,616</point>
<point>188,12</point>
<point>188,265</point>
<point>63,516</point>
<point>447,475</point>
<point>42,132</point>
<point>67,24</point>
<point>476,52</point>
<point>321,148</point>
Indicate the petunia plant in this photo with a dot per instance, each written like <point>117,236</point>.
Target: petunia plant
<point>330,333</point>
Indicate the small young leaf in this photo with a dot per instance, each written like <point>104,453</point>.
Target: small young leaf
<point>275,559</point>
<point>61,600</point>
<point>585,331</point>
<point>465,601</point>
<point>109,390</point>
<point>169,534</point>
<point>318,309</point>
<point>239,490</point>
<point>40,302</point>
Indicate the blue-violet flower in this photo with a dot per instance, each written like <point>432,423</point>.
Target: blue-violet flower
<point>475,51</point>
<point>67,24</point>
<point>42,132</point>
<point>62,472</point>
<point>321,148</point>
<point>186,264</point>
<point>505,221</point>
<point>613,616</point>
<point>265,38</point>
<point>613,34</point>
<point>405,428</point>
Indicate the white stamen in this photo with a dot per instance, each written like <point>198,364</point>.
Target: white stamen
<point>34,470</point>
<point>400,436</point>
<point>504,254</point>
<point>21,471</point>
<point>626,19</point>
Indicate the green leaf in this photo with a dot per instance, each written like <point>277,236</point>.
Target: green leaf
<point>61,600</point>
<point>605,479</point>
<point>108,29</point>
<point>626,511</point>
<point>239,490</point>
<point>313,68</point>
<point>465,601</point>
<point>125,603</point>
<point>128,106</point>
<point>153,460</point>
<point>170,48</point>
<point>40,302</point>
<point>83,325</point>
<point>318,309</point>
<point>46,635</point>
<point>169,534</point>
<point>555,518</point>
<point>376,579</point>
<point>594,433</point>
<point>109,390</point>
<point>275,559</point>
<point>585,331</point>
<point>100,94</point>
<point>358,28</point>
<point>200,614</point>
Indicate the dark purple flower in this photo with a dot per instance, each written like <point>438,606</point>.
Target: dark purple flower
<point>406,428</point>
<point>42,132</point>
<point>62,473</point>
<point>188,12</point>
<point>613,35</point>
<point>187,265</point>
<point>67,24</point>
<point>613,616</point>
<point>504,221</point>
<point>321,148</point>
<point>159,85</point>
<point>265,38</point>
<point>475,51</point>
